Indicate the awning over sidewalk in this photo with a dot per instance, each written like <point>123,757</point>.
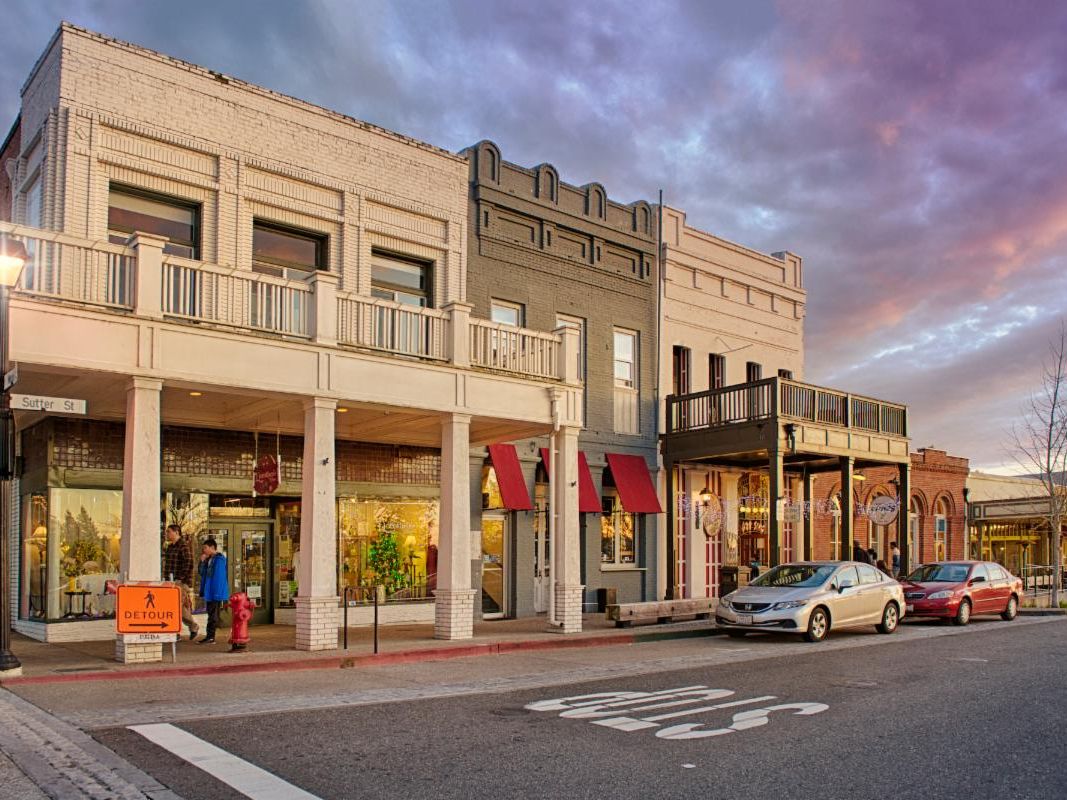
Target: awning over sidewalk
<point>509,477</point>
<point>588,498</point>
<point>637,492</point>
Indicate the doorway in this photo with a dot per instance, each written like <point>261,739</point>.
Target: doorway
<point>247,546</point>
<point>542,559</point>
<point>495,578</point>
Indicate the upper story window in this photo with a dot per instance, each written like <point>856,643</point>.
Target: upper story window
<point>507,313</point>
<point>787,374</point>
<point>681,368</point>
<point>625,359</point>
<point>403,280</point>
<point>131,210</point>
<point>31,211</point>
<point>753,371</point>
<point>287,252</point>
<point>716,371</point>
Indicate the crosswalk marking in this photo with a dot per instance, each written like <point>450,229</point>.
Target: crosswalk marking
<point>248,779</point>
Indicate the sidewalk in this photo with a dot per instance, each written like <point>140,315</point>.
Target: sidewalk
<point>271,649</point>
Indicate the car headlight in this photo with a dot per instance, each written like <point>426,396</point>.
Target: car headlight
<point>724,602</point>
<point>940,595</point>
<point>789,604</point>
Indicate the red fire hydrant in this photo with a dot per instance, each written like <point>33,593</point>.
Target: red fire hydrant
<point>241,612</point>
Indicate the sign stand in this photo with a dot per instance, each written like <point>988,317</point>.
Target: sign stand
<point>149,612</point>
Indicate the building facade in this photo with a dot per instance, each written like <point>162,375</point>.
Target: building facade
<point>1009,524</point>
<point>263,304</point>
<point>731,315</point>
<point>936,511</point>
<point>554,256</point>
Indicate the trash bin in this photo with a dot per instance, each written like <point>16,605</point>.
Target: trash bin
<point>732,578</point>
<point>606,596</point>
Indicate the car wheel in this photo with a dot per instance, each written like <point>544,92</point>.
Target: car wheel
<point>736,634</point>
<point>1012,611</point>
<point>890,618</point>
<point>818,625</point>
<point>963,613</point>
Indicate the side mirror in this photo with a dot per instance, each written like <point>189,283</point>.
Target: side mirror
<point>979,579</point>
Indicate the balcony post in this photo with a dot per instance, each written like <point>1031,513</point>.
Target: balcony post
<point>569,368</point>
<point>847,464</point>
<point>459,333</point>
<point>322,321</point>
<point>776,490</point>
<point>904,516</point>
<point>148,279</point>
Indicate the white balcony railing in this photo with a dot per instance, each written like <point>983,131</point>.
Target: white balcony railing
<point>199,291</point>
<point>505,347</point>
<point>62,266</point>
<point>140,279</point>
<point>397,328</point>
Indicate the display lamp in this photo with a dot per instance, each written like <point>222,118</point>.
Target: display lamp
<point>13,258</point>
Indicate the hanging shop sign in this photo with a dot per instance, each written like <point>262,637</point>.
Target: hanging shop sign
<point>265,476</point>
<point>883,510</point>
<point>711,516</point>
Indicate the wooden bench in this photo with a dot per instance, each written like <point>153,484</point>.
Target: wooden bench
<point>626,614</point>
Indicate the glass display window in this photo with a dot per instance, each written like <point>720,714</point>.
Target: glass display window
<point>387,542</point>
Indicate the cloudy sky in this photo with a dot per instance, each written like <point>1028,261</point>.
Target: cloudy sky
<point>914,152</point>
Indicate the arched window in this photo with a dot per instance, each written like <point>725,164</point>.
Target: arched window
<point>941,530</point>
<point>915,515</point>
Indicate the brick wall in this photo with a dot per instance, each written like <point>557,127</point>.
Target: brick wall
<point>935,476</point>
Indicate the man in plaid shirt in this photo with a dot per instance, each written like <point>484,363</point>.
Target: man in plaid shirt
<point>178,566</point>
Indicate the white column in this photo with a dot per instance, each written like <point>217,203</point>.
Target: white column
<point>697,556</point>
<point>454,597</point>
<point>566,546</point>
<point>140,546</point>
<point>317,601</point>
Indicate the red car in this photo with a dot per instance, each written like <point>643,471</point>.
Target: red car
<point>957,590</point>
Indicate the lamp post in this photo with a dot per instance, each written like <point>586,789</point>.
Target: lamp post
<point>13,258</point>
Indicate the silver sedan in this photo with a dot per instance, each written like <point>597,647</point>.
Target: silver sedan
<point>810,597</point>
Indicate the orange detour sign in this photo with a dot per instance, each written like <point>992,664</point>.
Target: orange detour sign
<point>148,608</point>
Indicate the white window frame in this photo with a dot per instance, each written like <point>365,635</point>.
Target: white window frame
<point>506,305</point>
<point>620,383</point>
<point>616,516</point>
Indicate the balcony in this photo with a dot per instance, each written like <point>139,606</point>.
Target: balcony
<point>808,424</point>
<point>141,280</point>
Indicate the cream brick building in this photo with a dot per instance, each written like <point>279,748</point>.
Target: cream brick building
<point>227,276</point>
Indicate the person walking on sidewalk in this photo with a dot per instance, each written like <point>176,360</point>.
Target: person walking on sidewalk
<point>178,566</point>
<point>214,585</point>
<point>859,554</point>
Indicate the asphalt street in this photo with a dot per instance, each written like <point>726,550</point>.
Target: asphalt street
<point>930,713</point>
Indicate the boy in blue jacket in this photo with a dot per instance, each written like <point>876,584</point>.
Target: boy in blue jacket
<point>214,585</point>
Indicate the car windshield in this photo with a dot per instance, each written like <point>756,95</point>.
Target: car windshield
<point>790,575</point>
<point>944,573</point>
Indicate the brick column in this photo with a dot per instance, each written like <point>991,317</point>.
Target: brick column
<point>454,607</point>
<point>317,608</point>
<point>140,546</point>
<point>566,547</point>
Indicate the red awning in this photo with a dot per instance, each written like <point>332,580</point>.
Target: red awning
<point>636,489</point>
<point>509,477</point>
<point>588,499</point>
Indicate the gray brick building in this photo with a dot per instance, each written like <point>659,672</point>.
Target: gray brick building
<point>543,254</point>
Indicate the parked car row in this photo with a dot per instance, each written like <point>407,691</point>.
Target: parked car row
<point>813,597</point>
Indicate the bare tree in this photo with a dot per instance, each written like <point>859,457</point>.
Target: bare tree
<point>1039,441</point>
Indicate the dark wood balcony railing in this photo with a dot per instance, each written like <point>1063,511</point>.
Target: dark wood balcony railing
<point>787,400</point>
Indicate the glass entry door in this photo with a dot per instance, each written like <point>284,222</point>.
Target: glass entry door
<point>248,556</point>
<point>494,569</point>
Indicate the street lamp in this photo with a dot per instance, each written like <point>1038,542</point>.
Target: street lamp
<point>13,257</point>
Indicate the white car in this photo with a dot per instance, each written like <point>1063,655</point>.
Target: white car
<point>811,597</point>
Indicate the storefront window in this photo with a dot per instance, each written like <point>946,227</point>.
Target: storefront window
<point>389,543</point>
<point>70,554</point>
<point>491,497</point>
<point>753,516</point>
<point>287,558</point>
<point>618,545</point>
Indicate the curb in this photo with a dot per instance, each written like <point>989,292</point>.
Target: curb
<point>1043,612</point>
<point>381,659</point>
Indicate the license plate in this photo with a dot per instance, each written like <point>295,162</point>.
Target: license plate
<point>744,619</point>
<point>909,608</point>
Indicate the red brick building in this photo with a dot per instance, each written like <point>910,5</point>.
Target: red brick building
<point>937,509</point>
